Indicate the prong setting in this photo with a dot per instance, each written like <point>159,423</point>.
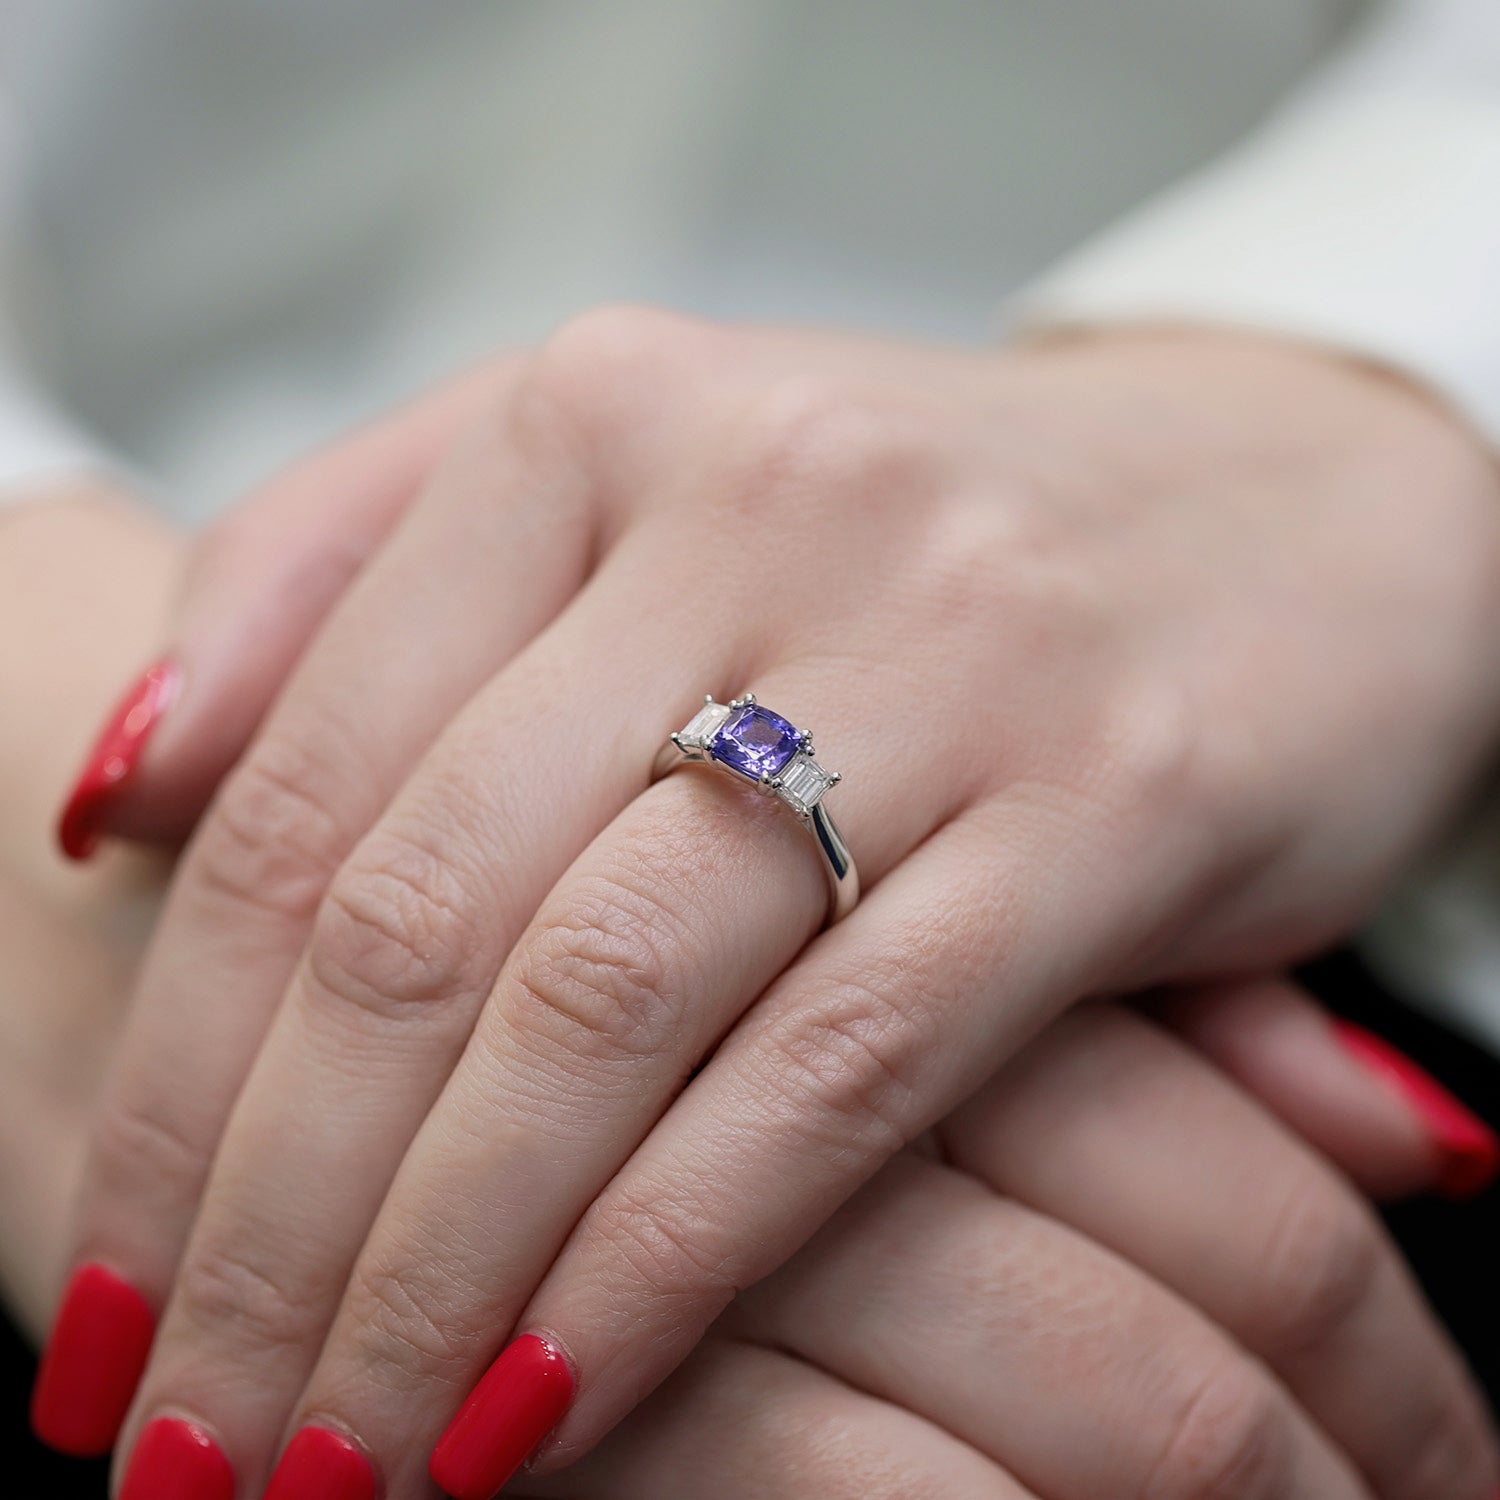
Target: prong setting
<point>761,746</point>
<point>756,745</point>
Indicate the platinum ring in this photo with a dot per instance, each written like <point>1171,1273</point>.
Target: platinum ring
<point>751,743</point>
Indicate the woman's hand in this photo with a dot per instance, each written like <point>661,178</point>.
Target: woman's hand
<point>1123,1280</point>
<point>1143,658</point>
<point>938,1340</point>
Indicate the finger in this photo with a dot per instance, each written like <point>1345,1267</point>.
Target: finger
<point>1387,1122</point>
<point>953,962</point>
<point>1058,1360</point>
<point>526,491</point>
<point>745,1423</point>
<point>601,1006</point>
<point>319,773</point>
<point>1149,1153</point>
<point>259,585</point>
<point>556,1088</point>
<point>90,578</point>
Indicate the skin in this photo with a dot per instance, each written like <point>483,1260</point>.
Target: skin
<point>787,1390</point>
<point>1107,588</point>
<point>999,1322</point>
<point>972,1325</point>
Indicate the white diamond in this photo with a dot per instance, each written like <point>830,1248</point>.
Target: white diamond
<point>703,726</point>
<point>803,782</point>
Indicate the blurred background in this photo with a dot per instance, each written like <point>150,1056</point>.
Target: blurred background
<point>229,230</point>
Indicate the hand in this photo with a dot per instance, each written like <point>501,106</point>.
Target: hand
<point>1068,620</point>
<point>1102,1327</point>
<point>901,1353</point>
<point>744,1419</point>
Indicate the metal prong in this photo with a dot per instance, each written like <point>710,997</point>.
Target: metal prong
<point>707,699</point>
<point>677,738</point>
<point>834,777</point>
<point>748,701</point>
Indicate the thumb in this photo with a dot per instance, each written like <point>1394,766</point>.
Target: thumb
<point>1389,1124</point>
<point>260,583</point>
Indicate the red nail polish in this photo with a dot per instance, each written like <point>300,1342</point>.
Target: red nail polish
<point>92,1364</point>
<point>320,1464</point>
<point>1470,1149</point>
<point>114,757</point>
<point>518,1401</point>
<point>175,1460</point>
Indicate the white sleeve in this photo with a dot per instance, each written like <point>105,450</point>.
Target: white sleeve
<point>1365,215</point>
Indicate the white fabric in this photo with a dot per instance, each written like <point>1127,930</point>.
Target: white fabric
<point>1367,216</point>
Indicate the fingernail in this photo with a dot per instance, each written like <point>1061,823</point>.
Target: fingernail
<point>114,757</point>
<point>175,1460</point>
<point>1470,1149</point>
<point>320,1464</point>
<point>518,1401</point>
<point>92,1363</point>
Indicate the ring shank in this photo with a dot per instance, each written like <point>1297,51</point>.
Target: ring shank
<point>838,864</point>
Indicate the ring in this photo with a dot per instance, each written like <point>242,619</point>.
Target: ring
<point>753,743</point>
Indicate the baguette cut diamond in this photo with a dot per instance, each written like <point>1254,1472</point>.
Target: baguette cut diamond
<point>703,726</point>
<point>755,742</point>
<point>803,782</point>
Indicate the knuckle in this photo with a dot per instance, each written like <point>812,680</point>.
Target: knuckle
<point>271,843</point>
<point>666,1246</point>
<point>810,440</point>
<point>852,1063</point>
<point>600,361</point>
<point>400,924</point>
<point>226,1293</point>
<point>139,1142</point>
<point>1230,1440</point>
<point>1151,748</point>
<point>603,978</point>
<point>1319,1267</point>
<point>402,1326</point>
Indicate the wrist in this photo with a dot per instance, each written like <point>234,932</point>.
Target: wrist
<point>1315,387</point>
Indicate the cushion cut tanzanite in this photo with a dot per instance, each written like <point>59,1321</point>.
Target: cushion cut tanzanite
<point>755,742</point>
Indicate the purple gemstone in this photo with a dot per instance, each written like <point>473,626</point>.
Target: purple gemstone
<point>754,742</point>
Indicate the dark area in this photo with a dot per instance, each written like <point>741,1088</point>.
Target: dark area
<point>1451,1245</point>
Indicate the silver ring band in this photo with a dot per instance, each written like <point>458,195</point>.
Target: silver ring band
<point>753,744</point>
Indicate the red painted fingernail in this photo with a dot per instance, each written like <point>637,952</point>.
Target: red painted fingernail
<point>1470,1149</point>
<point>322,1465</point>
<point>114,757</point>
<point>518,1401</point>
<point>93,1362</point>
<point>174,1460</point>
